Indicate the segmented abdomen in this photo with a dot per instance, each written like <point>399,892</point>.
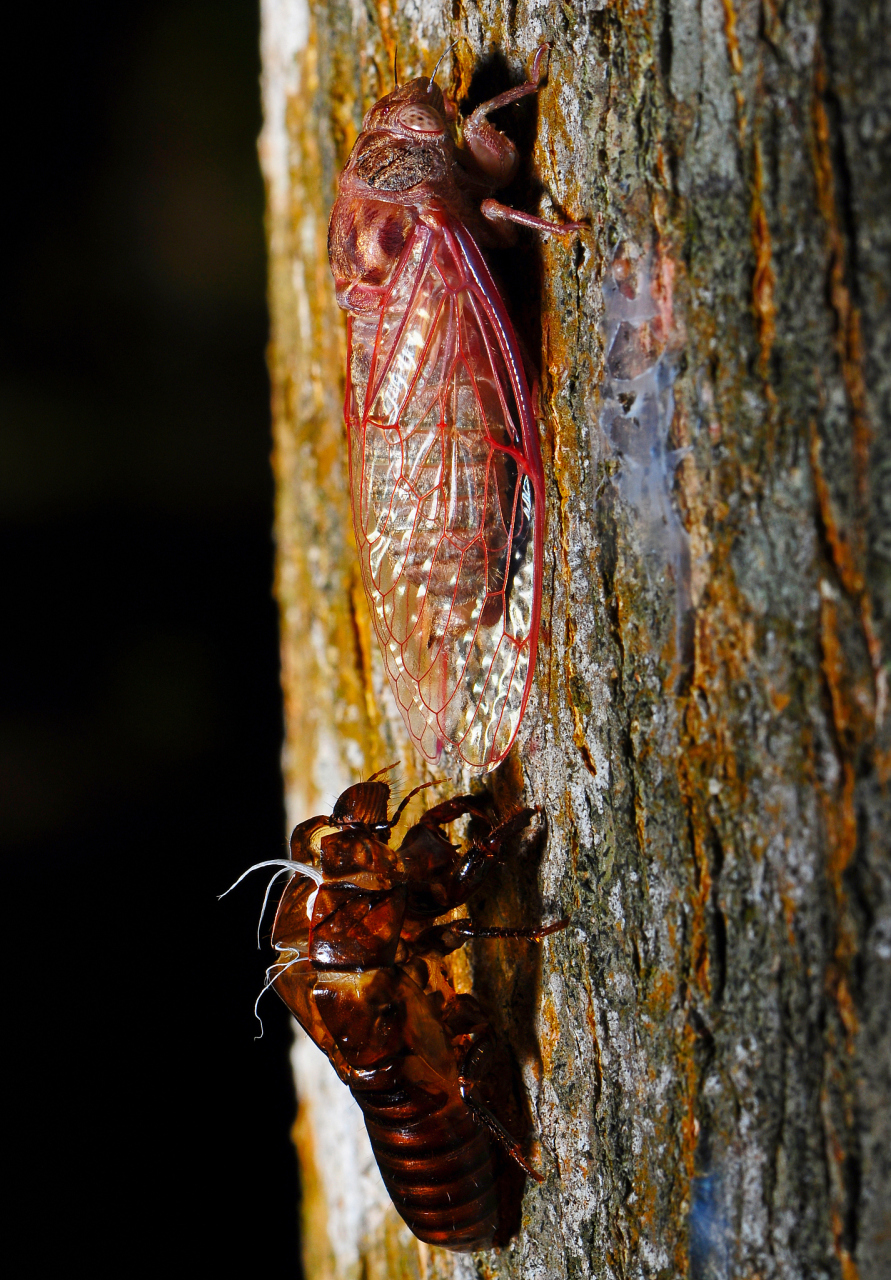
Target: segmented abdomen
<point>437,1162</point>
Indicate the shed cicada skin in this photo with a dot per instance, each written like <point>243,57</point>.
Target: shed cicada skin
<point>360,967</point>
<point>446,475</point>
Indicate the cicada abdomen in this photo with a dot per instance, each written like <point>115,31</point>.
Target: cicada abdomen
<point>445,467</point>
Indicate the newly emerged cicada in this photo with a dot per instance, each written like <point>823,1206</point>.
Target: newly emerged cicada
<point>360,967</point>
<point>445,468</point>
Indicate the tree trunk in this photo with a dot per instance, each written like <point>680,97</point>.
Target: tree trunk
<point>706,1049</point>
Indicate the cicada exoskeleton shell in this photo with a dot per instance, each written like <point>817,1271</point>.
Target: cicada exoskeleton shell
<point>360,940</point>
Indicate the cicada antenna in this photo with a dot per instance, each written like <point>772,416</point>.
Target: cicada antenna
<point>443,56</point>
<point>395,69</point>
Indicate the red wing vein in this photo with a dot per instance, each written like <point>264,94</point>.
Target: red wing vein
<point>374,381</point>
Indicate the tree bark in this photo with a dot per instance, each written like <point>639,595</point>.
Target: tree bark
<point>706,1050</point>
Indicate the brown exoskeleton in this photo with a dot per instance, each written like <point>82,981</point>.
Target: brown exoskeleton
<point>360,968</point>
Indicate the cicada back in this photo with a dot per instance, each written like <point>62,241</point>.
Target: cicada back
<point>445,467</point>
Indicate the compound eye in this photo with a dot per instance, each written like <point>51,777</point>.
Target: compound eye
<point>419,119</point>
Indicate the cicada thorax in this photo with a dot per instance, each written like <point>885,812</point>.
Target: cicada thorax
<point>366,803</point>
<point>366,240</point>
<point>351,916</point>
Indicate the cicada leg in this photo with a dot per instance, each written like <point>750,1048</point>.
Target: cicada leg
<point>451,810</point>
<point>511,826</point>
<point>496,213</point>
<point>470,1076</point>
<point>406,799</point>
<point>443,939</point>
<point>498,158</point>
<point>442,878</point>
<point>495,154</point>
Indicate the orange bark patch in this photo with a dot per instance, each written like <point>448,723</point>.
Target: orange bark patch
<point>732,40</point>
<point>764,282</point>
<point>736,64</point>
<point>848,340</point>
<point>846,562</point>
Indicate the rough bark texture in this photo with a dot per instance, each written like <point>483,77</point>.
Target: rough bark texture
<point>706,1049</point>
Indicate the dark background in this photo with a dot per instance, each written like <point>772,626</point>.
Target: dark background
<point>141,713</point>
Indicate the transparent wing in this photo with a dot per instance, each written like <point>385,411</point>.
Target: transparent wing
<point>447,498</point>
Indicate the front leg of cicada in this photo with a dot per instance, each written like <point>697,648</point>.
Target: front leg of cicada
<point>498,158</point>
<point>442,877</point>
<point>477,1051</point>
<point>495,154</point>
<point>443,939</point>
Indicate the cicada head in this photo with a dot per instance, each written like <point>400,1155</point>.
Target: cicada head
<point>364,804</point>
<point>416,110</point>
<point>402,161</point>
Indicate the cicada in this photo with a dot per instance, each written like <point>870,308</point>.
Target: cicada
<point>360,967</point>
<point>446,477</point>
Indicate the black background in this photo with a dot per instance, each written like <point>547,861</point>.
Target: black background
<point>141,713</point>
